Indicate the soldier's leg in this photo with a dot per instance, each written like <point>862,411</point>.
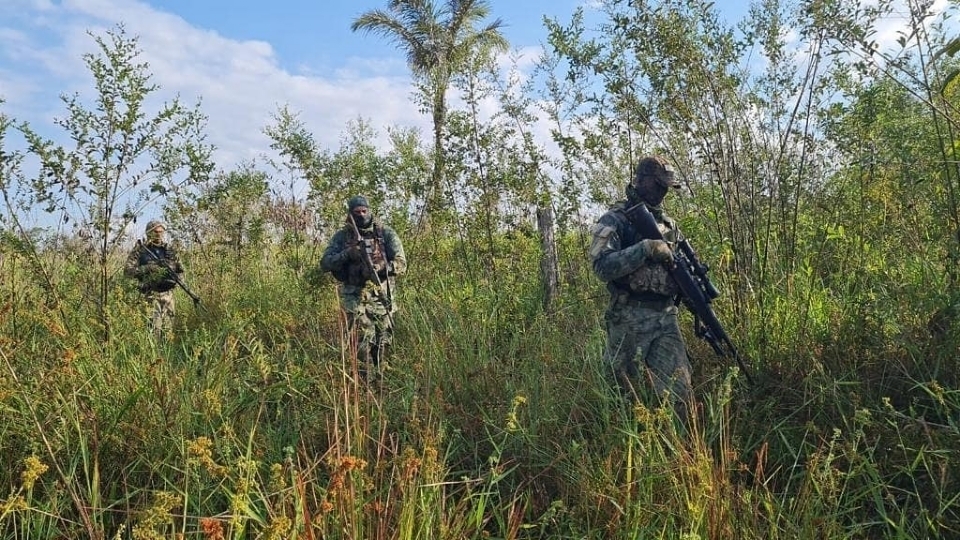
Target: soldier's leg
<point>168,311</point>
<point>620,355</point>
<point>384,336</point>
<point>670,371</point>
<point>161,317</point>
<point>365,331</point>
<point>156,317</point>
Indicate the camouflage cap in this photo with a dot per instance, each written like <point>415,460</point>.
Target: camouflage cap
<point>153,224</point>
<point>356,201</point>
<point>659,168</point>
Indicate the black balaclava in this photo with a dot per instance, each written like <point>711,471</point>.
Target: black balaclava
<point>358,201</point>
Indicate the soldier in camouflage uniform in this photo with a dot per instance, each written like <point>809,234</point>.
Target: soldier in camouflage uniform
<point>641,318</point>
<point>365,256</point>
<point>151,262</point>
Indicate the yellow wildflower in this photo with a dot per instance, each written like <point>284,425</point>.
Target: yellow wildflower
<point>33,468</point>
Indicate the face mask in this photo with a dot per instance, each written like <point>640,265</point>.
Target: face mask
<point>362,221</point>
<point>653,192</point>
<point>648,190</point>
<point>155,237</point>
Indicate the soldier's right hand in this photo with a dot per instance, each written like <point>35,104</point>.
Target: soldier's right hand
<point>657,250</point>
<point>353,253</point>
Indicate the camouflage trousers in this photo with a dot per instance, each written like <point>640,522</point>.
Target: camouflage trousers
<point>162,311</point>
<point>371,326</point>
<point>640,333</point>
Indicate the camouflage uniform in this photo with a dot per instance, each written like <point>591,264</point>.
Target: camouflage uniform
<point>156,283</point>
<point>642,313</point>
<point>370,307</point>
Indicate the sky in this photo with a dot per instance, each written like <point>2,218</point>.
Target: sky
<point>244,59</point>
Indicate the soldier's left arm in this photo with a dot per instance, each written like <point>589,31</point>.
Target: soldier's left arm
<point>131,268</point>
<point>395,253</point>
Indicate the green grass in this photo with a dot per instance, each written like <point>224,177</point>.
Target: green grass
<point>494,421</point>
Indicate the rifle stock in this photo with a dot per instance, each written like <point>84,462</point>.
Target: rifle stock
<point>696,290</point>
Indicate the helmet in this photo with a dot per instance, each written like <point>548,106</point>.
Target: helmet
<point>153,224</point>
<point>357,201</point>
<point>657,167</point>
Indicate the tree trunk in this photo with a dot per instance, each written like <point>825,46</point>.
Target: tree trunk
<point>434,195</point>
<point>548,263</point>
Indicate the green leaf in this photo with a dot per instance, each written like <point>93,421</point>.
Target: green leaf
<point>951,75</point>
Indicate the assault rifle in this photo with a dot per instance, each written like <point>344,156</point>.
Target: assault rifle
<point>366,255</point>
<point>173,275</point>
<point>696,290</point>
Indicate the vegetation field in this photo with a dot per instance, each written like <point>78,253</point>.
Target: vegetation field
<point>820,184</point>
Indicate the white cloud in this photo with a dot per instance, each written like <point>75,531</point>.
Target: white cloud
<point>240,83</point>
<point>14,88</point>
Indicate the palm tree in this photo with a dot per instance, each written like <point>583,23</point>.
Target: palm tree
<point>438,39</point>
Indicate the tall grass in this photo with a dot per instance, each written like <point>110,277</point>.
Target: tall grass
<point>494,420</point>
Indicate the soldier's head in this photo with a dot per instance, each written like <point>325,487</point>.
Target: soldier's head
<point>360,211</point>
<point>155,232</point>
<point>651,181</point>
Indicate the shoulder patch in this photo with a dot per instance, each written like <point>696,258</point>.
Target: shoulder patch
<point>601,239</point>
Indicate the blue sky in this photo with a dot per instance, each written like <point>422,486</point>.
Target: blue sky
<point>317,33</point>
<point>243,58</point>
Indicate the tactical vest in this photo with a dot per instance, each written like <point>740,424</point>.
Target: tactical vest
<point>373,244</point>
<point>165,282</point>
<point>650,279</point>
